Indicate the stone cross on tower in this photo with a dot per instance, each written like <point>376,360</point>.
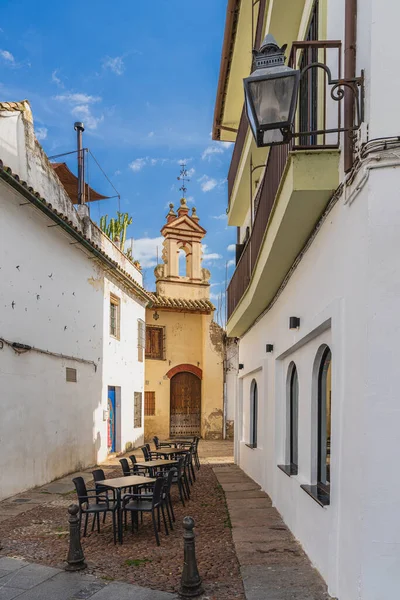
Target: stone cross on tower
<point>182,232</point>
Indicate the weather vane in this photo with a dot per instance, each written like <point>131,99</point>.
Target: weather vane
<point>183,177</point>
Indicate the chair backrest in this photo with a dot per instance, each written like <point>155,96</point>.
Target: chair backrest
<point>156,442</point>
<point>98,475</point>
<point>180,465</point>
<point>133,459</point>
<point>125,467</point>
<point>81,490</point>
<point>196,443</point>
<point>148,447</point>
<point>146,453</point>
<point>158,490</point>
<point>168,479</point>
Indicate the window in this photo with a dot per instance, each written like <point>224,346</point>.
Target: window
<point>137,410</point>
<point>155,345</point>
<point>149,404</point>
<point>308,92</point>
<point>115,312</point>
<point>324,420</point>
<point>253,414</point>
<point>141,339</point>
<point>294,420</point>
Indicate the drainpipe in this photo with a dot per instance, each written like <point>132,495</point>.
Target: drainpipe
<point>225,398</point>
<point>350,40</point>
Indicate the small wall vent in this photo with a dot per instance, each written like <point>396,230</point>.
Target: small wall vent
<point>70,375</point>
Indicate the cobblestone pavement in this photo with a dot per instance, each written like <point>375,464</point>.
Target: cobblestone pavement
<point>272,564</point>
<point>33,527</point>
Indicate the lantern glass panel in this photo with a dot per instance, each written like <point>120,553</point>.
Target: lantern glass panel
<point>272,99</point>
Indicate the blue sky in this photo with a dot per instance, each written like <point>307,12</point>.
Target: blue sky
<point>142,76</point>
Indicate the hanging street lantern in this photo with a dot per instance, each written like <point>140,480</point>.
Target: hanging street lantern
<point>271,95</point>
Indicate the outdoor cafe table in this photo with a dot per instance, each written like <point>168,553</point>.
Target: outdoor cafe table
<point>156,463</point>
<point>118,484</point>
<point>170,451</point>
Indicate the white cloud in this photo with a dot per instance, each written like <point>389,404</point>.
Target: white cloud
<point>217,148</point>
<point>231,248</point>
<point>7,56</point>
<point>137,164</point>
<point>221,217</point>
<point>231,263</point>
<point>145,250</point>
<point>190,200</point>
<point>118,172</point>
<point>191,172</point>
<point>215,296</point>
<point>55,79</point>
<point>150,134</point>
<point>207,256</point>
<point>41,133</point>
<point>211,256</point>
<point>78,98</point>
<point>83,111</point>
<point>207,183</point>
<point>116,65</point>
<point>208,152</point>
<point>215,284</point>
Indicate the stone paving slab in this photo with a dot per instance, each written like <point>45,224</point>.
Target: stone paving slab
<point>25,581</point>
<point>283,583</point>
<point>273,564</point>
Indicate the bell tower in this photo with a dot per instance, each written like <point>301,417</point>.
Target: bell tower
<point>182,232</point>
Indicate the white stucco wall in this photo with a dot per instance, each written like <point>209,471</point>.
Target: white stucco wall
<point>55,297</point>
<point>121,366</point>
<point>346,291</point>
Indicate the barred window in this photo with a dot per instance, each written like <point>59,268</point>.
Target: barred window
<point>141,339</point>
<point>115,316</point>
<point>137,410</point>
<point>155,346</point>
<point>149,404</point>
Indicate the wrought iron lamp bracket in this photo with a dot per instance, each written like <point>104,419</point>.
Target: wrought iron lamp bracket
<point>337,93</point>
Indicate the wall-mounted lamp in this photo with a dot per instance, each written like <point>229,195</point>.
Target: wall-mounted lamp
<point>156,316</point>
<point>294,322</point>
<point>241,366</point>
<point>269,347</point>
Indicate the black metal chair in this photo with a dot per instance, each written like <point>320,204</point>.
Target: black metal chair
<point>136,503</point>
<point>95,504</point>
<point>125,467</point>
<point>179,479</point>
<point>160,445</point>
<point>167,494</point>
<point>196,452</point>
<point>99,475</point>
<point>137,469</point>
<point>148,454</point>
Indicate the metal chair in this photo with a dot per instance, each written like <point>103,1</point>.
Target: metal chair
<point>160,445</point>
<point>181,481</point>
<point>99,475</point>
<point>135,504</point>
<point>137,469</point>
<point>95,504</point>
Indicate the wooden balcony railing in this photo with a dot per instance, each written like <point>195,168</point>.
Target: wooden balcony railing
<point>315,113</point>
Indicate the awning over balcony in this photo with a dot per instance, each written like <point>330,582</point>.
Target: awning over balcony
<point>281,227</point>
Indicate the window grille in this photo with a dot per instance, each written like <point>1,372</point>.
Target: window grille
<point>71,375</point>
<point>149,404</point>
<point>137,410</point>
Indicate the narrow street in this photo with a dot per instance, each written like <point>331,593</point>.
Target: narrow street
<point>239,536</point>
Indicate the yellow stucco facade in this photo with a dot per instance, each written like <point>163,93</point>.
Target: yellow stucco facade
<point>184,366</point>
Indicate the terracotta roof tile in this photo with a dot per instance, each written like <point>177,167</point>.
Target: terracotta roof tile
<point>180,303</point>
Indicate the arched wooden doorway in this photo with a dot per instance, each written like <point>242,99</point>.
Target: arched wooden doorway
<point>185,416</point>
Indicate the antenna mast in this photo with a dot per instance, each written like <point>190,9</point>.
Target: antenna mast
<point>183,177</point>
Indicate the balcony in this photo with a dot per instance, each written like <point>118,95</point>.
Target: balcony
<point>299,179</point>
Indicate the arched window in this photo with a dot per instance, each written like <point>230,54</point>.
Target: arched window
<point>253,413</point>
<point>182,263</point>
<point>293,419</point>
<point>324,419</point>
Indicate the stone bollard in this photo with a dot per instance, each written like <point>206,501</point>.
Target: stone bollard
<point>191,581</point>
<point>75,558</point>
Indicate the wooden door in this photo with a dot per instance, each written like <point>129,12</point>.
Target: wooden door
<point>185,404</point>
